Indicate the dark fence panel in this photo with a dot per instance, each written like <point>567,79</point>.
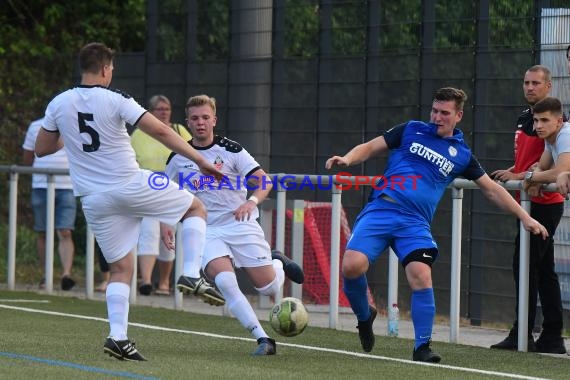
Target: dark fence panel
<point>298,81</point>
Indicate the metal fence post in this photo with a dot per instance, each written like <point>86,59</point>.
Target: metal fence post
<point>335,256</point>
<point>522,317</point>
<point>178,267</point>
<point>134,287</point>
<point>89,262</point>
<point>266,222</point>
<point>280,223</point>
<point>297,240</point>
<point>12,230</point>
<point>50,224</point>
<point>392,279</point>
<point>455,288</point>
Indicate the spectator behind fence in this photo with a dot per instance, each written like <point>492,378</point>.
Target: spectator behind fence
<point>430,156</point>
<point>555,159</point>
<point>115,193</point>
<point>563,179</point>
<point>65,205</point>
<point>233,236</point>
<point>547,208</point>
<point>152,155</point>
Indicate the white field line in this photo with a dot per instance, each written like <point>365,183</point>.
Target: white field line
<point>312,348</point>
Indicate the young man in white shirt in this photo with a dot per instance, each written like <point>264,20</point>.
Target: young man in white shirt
<point>233,236</point>
<point>549,126</point>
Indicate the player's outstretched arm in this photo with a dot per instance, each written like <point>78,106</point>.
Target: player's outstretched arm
<point>501,197</point>
<point>149,124</point>
<point>359,153</point>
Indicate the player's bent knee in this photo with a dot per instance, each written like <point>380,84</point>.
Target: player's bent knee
<point>197,208</point>
<point>271,289</point>
<point>354,264</point>
<point>352,269</point>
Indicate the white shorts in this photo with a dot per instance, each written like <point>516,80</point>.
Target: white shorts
<point>150,243</point>
<point>244,242</point>
<point>115,216</point>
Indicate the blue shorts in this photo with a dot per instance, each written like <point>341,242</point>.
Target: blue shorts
<point>382,224</point>
<point>65,209</point>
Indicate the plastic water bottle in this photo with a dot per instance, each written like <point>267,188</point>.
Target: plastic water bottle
<point>393,319</point>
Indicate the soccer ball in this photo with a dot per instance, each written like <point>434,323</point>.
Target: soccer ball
<point>289,317</point>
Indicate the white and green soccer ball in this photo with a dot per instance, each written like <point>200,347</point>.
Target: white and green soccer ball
<point>289,317</point>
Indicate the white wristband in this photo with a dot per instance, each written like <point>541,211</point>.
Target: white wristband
<point>254,199</point>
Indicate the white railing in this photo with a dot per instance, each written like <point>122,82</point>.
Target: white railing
<point>281,190</point>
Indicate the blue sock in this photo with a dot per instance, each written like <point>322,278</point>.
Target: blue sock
<point>356,292</point>
<point>423,314</point>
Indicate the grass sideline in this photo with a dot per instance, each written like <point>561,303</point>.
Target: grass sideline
<point>62,338</point>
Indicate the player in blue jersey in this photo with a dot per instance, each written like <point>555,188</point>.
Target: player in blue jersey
<point>425,158</point>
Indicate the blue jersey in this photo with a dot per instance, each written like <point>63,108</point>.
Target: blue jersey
<point>422,164</point>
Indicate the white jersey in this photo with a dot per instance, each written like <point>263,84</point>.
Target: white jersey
<point>91,120</point>
<point>562,143</point>
<point>56,160</point>
<point>220,198</point>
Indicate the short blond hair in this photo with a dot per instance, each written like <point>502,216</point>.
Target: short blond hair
<point>201,100</point>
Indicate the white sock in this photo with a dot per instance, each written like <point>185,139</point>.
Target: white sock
<point>238,304</point>
<point>117,296</point>
<point>279,274</point>
<point>193,241</point>
<point>273,289</point>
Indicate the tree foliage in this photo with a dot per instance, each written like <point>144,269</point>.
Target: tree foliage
<point>171,30</point>
<point>38,44</point>
<point>301,28</point>
<point>39,39</point>
<point>213,29</point>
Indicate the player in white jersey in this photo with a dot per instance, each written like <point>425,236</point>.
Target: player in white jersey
<point>233,234</point>
<point>114,192</point>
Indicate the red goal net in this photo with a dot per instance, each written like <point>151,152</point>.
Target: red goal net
<point>316,251</point>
